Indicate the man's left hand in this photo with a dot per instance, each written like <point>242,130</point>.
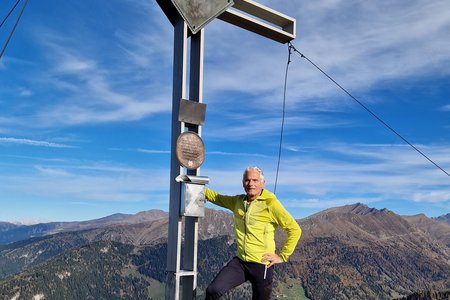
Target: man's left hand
<point>272,258</point>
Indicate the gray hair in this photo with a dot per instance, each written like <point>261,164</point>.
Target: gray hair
<point>254,168</point>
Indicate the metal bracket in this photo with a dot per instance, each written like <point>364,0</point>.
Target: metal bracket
<point>192,112</point>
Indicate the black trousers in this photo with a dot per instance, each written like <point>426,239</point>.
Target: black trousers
<point>237,272</point>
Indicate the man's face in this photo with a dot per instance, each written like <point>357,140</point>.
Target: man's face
<point>253,185</point>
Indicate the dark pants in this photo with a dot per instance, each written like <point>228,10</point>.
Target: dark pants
<point>237,272</point>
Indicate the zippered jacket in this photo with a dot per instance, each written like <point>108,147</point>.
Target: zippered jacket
<point>255,223</point>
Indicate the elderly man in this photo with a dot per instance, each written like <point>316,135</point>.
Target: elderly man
<point>256,215</point>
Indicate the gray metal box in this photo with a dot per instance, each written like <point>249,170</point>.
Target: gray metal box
<point>193,197</point>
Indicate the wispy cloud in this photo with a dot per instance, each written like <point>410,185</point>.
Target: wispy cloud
<point>100,98</point>
<point>110,183</point>
<point>24,92</point>
<point>92,86</point>
<point>36,158</point>
<point>240,126</point>
<point>234,153</point>
<point>384,42</point>
<point>153,151</point>
<point>47,171</point>
<point>393,167</point>
<point>320,180</point>
<point>9,140</point>
<point>432,196</point>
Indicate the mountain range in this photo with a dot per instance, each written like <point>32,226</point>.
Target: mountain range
<point>348,252</point>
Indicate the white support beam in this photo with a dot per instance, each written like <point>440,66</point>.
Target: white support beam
<point>251,16</point>
<point>260,19</point>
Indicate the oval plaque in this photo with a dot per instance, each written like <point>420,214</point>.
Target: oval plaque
<point>190,150</point>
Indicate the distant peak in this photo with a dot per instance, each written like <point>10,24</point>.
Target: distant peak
<point>360,208</point>
<point>359,205</point>
<point>363,209</point>
<point>443,218</point>
<point>357,208</point>
<point>421,215</point>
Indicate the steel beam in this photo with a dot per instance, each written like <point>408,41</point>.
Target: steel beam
<point>242,12</point>
<point>251,16</point>
<point>175,220</point>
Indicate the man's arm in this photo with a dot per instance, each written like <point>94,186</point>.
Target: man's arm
<point>220,200</point>
<point>287,222</point>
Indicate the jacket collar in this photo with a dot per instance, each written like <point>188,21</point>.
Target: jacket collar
<point>264,196</point>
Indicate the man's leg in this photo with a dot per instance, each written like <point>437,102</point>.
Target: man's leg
<point>261,280</point>
<point>229,277</point>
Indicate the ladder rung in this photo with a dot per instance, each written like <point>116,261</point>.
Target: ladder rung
<point>186,273</point>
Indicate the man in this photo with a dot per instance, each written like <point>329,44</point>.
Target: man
<point>256,216</point>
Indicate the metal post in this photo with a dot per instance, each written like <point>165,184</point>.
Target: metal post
<point>179,90</point>
<point>182,276</point>
<point>189,283</point>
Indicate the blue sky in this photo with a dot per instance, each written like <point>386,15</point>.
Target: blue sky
<point>85,108</point>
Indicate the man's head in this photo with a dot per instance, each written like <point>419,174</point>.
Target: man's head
<point>253,182</point>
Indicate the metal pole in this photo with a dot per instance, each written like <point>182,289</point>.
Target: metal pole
<point>182,276</point>
<point>174,239</point>
<point>189,283</point>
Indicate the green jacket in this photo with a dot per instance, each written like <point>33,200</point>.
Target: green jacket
<point>255,226</point>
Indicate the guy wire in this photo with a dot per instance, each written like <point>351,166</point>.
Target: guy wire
<point>283,114</point>
<point>10,12</point>
<point>369,111</point>
<point>14,28</point>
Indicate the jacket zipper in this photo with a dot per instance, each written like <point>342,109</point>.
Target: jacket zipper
<point>246,209</point>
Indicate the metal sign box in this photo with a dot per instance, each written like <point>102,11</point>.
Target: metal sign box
<point>193,195</point>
